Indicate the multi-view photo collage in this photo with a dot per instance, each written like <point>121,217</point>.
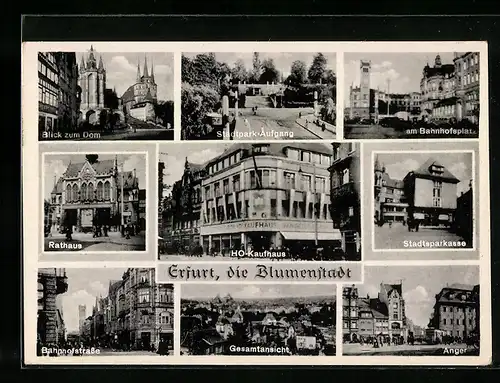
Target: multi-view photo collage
<point>242,202</point>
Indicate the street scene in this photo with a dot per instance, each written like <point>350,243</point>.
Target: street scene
<point>258,96</point>
<point>409,311</point>
<point>258,320</point>
<point>423,200</point>
<point>94,202</point>
<point>96,95</point>
<point>104,312</point>
<point>226,202</point>
<point>411,95</point>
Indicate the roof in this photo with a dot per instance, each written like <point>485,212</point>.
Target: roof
<point>276,149</point>
<point>389,288</point>
<point>130,181</point>
<point>101,167</point>
<point>209,336</point>
<point>58,187</point>
<point>424,171</point>
<point>129,94</point>
<point>446,69</point>
<point>460,286</point>
<point>114,285</point>
<point>392,183</point>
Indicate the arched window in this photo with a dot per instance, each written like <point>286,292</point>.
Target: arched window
<point>107,190</point>
<point>75,197</point>
<point>99,191</point>
<point>68,193</point>
<point>84,192</point>
<point>90,191</point>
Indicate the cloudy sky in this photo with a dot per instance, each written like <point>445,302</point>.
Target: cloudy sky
<point>283,61</point>
<point>404,70</point>
<point>247,291</point>
<point>121,70</point>
<point>420,285</point>
<point>399,164</point>
<point>174,157</point>
<point>84,285</point>
<point>56,165</point>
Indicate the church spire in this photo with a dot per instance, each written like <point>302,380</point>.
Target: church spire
<point>138,79</point>
<point>152,71</point>
<point>101,65</point>
<point>82,64</point>
<point>145,74</point>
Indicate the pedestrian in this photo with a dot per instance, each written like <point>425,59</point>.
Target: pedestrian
<point>106,230</point>
<point>127,232</point>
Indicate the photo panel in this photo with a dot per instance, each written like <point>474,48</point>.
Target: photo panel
<point>258,320</point>
<point>107,312</point>
<point>411,95</point>
<point>423,203</point>
<point>413,311</point>
<point>94,94</point>
<point>97,202</point>
<point>263,201</point>
<point>254,96</point>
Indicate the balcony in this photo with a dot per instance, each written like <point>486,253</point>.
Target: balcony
<point>343,192</point>
<point>166,305</point>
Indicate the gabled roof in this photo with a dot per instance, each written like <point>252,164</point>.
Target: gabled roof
<point>424,171</point>
<point>390,287</point>
<point>101,167</point>
<point>392,183</point>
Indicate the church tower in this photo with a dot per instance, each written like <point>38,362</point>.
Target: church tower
<point>81,316</point>
<point>365,68</point>
<point>92,80</point>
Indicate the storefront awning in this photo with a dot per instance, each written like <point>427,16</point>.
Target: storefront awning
<point>307,236</point>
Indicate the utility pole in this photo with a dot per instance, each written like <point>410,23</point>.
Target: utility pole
<point>121,195</point>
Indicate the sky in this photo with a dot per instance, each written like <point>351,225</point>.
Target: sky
<point>56,165</point>
<point>404,70</point>
<point>282,61</point>
<point>248,291</point>
<point>399,164</point>
<point>174,157</point>
<point>84,285</point>
<point>420,285</point>
<point>121,70</point>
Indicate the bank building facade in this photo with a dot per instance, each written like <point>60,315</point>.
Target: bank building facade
<point>89,193</point>
<point>267,196</point>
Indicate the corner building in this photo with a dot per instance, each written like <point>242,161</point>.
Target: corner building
<point>264,196</point>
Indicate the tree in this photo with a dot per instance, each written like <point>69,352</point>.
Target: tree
<point>196,102</point>
<point>329,77</point>
<point>187,70</point>
<point>239,71</point>
<point>256,68</point>
<point>269,72</point>
<point>165,111</point>
<point>317,70</point>
<point>92,158</point>
<point>297,73</point>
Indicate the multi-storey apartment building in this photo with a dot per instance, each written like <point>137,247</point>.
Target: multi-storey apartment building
<point>50,320</point>
<point>265,196</point>
<point>345,183</point>
<point>456,310</point>
<point>137,312</point>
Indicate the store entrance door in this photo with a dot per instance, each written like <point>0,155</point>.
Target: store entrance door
<point>260,241</point>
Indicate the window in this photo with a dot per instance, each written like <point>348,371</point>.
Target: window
<point>345,176</point>
<point>261,148</point>
<point>226,162</point>
<point>99,191</point>
<point>207,192</point>
<point>272,178</point>
<point>290,180</point>
<point>164,318</point>
<point>68,193</point>
<point>217,189</point>
<point>236,183</point>
<point>84,191</point>
<point>436,194</point>
<point>306,156</point>
<point>144,296</point>
<point>225,184</point>
<point>316,158</point>
<point>144,278</point>
<point>320,184</point>
<point>75,193</point>
<point>293,154</point>
<point>306,182</point>
<point>107,190</point>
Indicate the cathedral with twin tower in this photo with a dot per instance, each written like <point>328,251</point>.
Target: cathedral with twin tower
<point>137,101</point>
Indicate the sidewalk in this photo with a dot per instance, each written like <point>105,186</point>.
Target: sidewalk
<point>307,122</point>
<point>113,237</point>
